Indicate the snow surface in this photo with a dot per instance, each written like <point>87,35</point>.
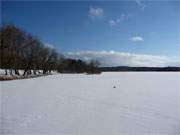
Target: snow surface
<point>141,104</point>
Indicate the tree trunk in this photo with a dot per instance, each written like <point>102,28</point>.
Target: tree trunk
<point>16,72</point>
<point>29,72</point>
<point>44,71</point>
<point>34,71</point>
<point>24,72</point>
<point>6,72</point>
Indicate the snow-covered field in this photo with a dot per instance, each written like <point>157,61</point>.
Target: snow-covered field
<point>140,103</point>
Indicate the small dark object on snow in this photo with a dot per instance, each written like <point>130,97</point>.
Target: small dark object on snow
<point>114,87</point>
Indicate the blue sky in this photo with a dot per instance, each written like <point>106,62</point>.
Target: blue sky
<point>143,28</point>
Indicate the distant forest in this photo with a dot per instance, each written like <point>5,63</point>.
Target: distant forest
<point>23,51</point>
<point>138,69</point>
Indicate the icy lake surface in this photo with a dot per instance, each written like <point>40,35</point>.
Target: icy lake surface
<point>106,104</point>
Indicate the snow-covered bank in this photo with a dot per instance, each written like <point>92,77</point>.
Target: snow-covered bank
<point>6,76</point>
<point>140,103</point>
<point>3,72</point>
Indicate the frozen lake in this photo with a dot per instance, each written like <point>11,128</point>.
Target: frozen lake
<point>109,103</point>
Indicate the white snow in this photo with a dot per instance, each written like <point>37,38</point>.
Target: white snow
<point>141,104</point>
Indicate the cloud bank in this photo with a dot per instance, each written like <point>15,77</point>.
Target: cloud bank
<point>113,58</point>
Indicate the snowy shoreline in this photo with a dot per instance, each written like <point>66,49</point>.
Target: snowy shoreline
<point>8,77</point>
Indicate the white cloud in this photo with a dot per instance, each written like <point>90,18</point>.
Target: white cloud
<point>140,4</point>
<point>49,45</point>
<point>96,13</point>
<point>114,22</point>
<point>136,39</point>
<point>113,58</point>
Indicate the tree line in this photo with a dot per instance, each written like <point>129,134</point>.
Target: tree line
<point>20,50</point>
